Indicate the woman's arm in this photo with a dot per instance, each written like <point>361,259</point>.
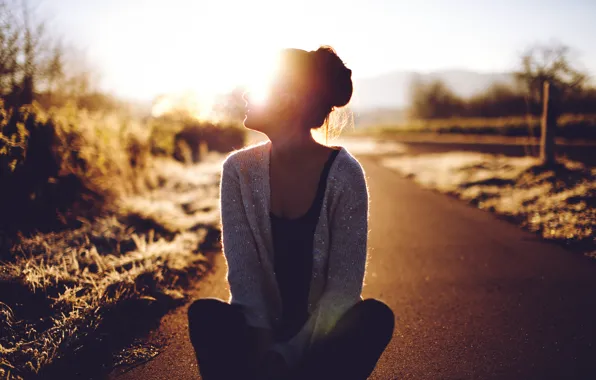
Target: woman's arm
<point>347,264</point>
<point>347,254</point>
<point>239,247</point>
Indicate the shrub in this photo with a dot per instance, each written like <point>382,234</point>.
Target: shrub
<point>185,138</point>
<point>28,167</point>
<point>163,136</point>
<point>64,164</point>
<point>215,137</point>
<point>60,165</point>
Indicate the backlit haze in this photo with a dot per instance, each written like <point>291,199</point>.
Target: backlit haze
<point>146,48</point>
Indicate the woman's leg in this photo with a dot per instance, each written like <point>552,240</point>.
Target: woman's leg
<point>353,347</point>
<point>219,335</point>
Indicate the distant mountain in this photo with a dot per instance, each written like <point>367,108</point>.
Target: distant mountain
<point>374,117</point>
<point>391,90</point>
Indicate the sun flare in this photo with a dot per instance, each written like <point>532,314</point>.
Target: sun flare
<point>252,74</point>
<point>257,76</point>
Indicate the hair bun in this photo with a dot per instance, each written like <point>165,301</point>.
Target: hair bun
<point>336,78</point>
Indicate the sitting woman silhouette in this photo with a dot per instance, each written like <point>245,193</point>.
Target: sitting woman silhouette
<point>295,227</point>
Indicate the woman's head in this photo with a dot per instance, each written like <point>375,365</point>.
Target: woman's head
<point>306,88</point>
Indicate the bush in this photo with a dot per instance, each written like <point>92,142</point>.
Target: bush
<point>435,100</point>
<point>215,137</point>
<point>28,168</point>
<point>186,139</point>
<point>60,165</point>
<point>64,164</point>
<point>162,140</point>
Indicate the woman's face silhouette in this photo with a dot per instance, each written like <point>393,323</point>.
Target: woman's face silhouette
<point>279,108</point>
<point>286,97</point>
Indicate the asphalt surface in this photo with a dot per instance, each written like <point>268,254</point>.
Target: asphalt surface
<point>475,297</point>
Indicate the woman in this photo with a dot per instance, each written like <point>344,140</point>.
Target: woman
<point>295,227</point>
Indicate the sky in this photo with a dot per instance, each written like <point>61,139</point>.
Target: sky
<point>143,48</point>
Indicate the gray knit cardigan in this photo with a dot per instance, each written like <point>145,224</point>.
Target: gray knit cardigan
<point>339,249</point>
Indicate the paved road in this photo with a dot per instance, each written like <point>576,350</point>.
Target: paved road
<point>475,297</point>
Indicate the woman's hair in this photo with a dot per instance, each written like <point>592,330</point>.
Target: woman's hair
<point>322,78</point>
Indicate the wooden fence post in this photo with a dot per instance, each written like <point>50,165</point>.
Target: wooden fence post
<point>548,126</point>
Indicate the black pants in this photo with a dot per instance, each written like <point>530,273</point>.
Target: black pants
<point>220,337</point>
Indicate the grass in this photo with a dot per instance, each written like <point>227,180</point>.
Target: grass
<point>63,164</point>
<point>74,293</point>
<point>569,126</point>
<point>558,203</point>
<point>98,245</point>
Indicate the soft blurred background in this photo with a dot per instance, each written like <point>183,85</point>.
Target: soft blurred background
<point>115,116</point>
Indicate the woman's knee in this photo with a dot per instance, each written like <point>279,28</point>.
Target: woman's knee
<point>206,310</point>
<point>380,315</point>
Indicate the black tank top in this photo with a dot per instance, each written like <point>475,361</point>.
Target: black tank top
<point>293,250</point>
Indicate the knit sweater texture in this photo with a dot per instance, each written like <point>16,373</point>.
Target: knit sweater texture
<point>339,248</point>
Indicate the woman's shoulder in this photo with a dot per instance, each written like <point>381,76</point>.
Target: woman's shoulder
<point>348,168</point>
<point>250,155</point>
<point>347,182</point>
<point>347,176</point>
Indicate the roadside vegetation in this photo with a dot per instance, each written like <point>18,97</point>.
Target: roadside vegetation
<point>107,213</point>
<point>572,127</point>
<point>558,203</point>
<point>510,108</point>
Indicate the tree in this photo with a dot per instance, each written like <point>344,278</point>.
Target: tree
<point>498,100</point>
<point>549,62</point>
<point>10,46</point>
<point>32,62</point>
<point>33,34</point>
<point>54,69</point>
<point>433,100</point>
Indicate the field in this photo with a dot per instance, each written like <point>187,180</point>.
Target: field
<point>569,127</point>
<point>104,226</point>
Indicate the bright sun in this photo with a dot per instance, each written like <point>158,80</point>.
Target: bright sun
<point>213,79</point>
<point>221,52</point>
<point>257,78</point>
<point>203,47</point>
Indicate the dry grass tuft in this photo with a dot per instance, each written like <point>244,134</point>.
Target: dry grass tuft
<point>559,203</point>
<point>82,293</point>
